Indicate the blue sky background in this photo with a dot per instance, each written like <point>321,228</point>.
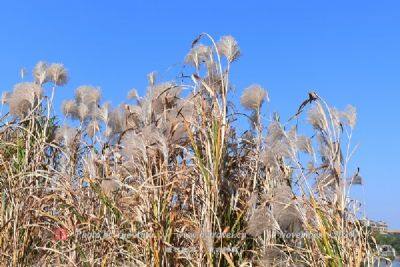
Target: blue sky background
<point>347,51</point>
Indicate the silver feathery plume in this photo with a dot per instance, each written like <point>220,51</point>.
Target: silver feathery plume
<point>57,74</point>
<point>132,94</point>
<point>350,116</point>
<point>40,72</point>
<point>317,117</point>
<point>253,97</point>
<point>67,135</point>
<point>228,47</point>
<point>260,221</point>
<point>198,55</point>
<point>23,98</point>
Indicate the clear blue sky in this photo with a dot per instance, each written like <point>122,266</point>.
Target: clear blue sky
<point>348,51</point>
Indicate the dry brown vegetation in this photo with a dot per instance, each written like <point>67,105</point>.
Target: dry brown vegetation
<point>168,180</point>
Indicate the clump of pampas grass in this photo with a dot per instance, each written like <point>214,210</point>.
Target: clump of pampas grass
<point>168,180</point>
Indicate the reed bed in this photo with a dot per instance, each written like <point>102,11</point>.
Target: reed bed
<point>178,176</point>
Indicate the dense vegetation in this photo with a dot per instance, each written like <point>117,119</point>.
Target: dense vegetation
<point>389,239</point>
<point>167,180</point>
